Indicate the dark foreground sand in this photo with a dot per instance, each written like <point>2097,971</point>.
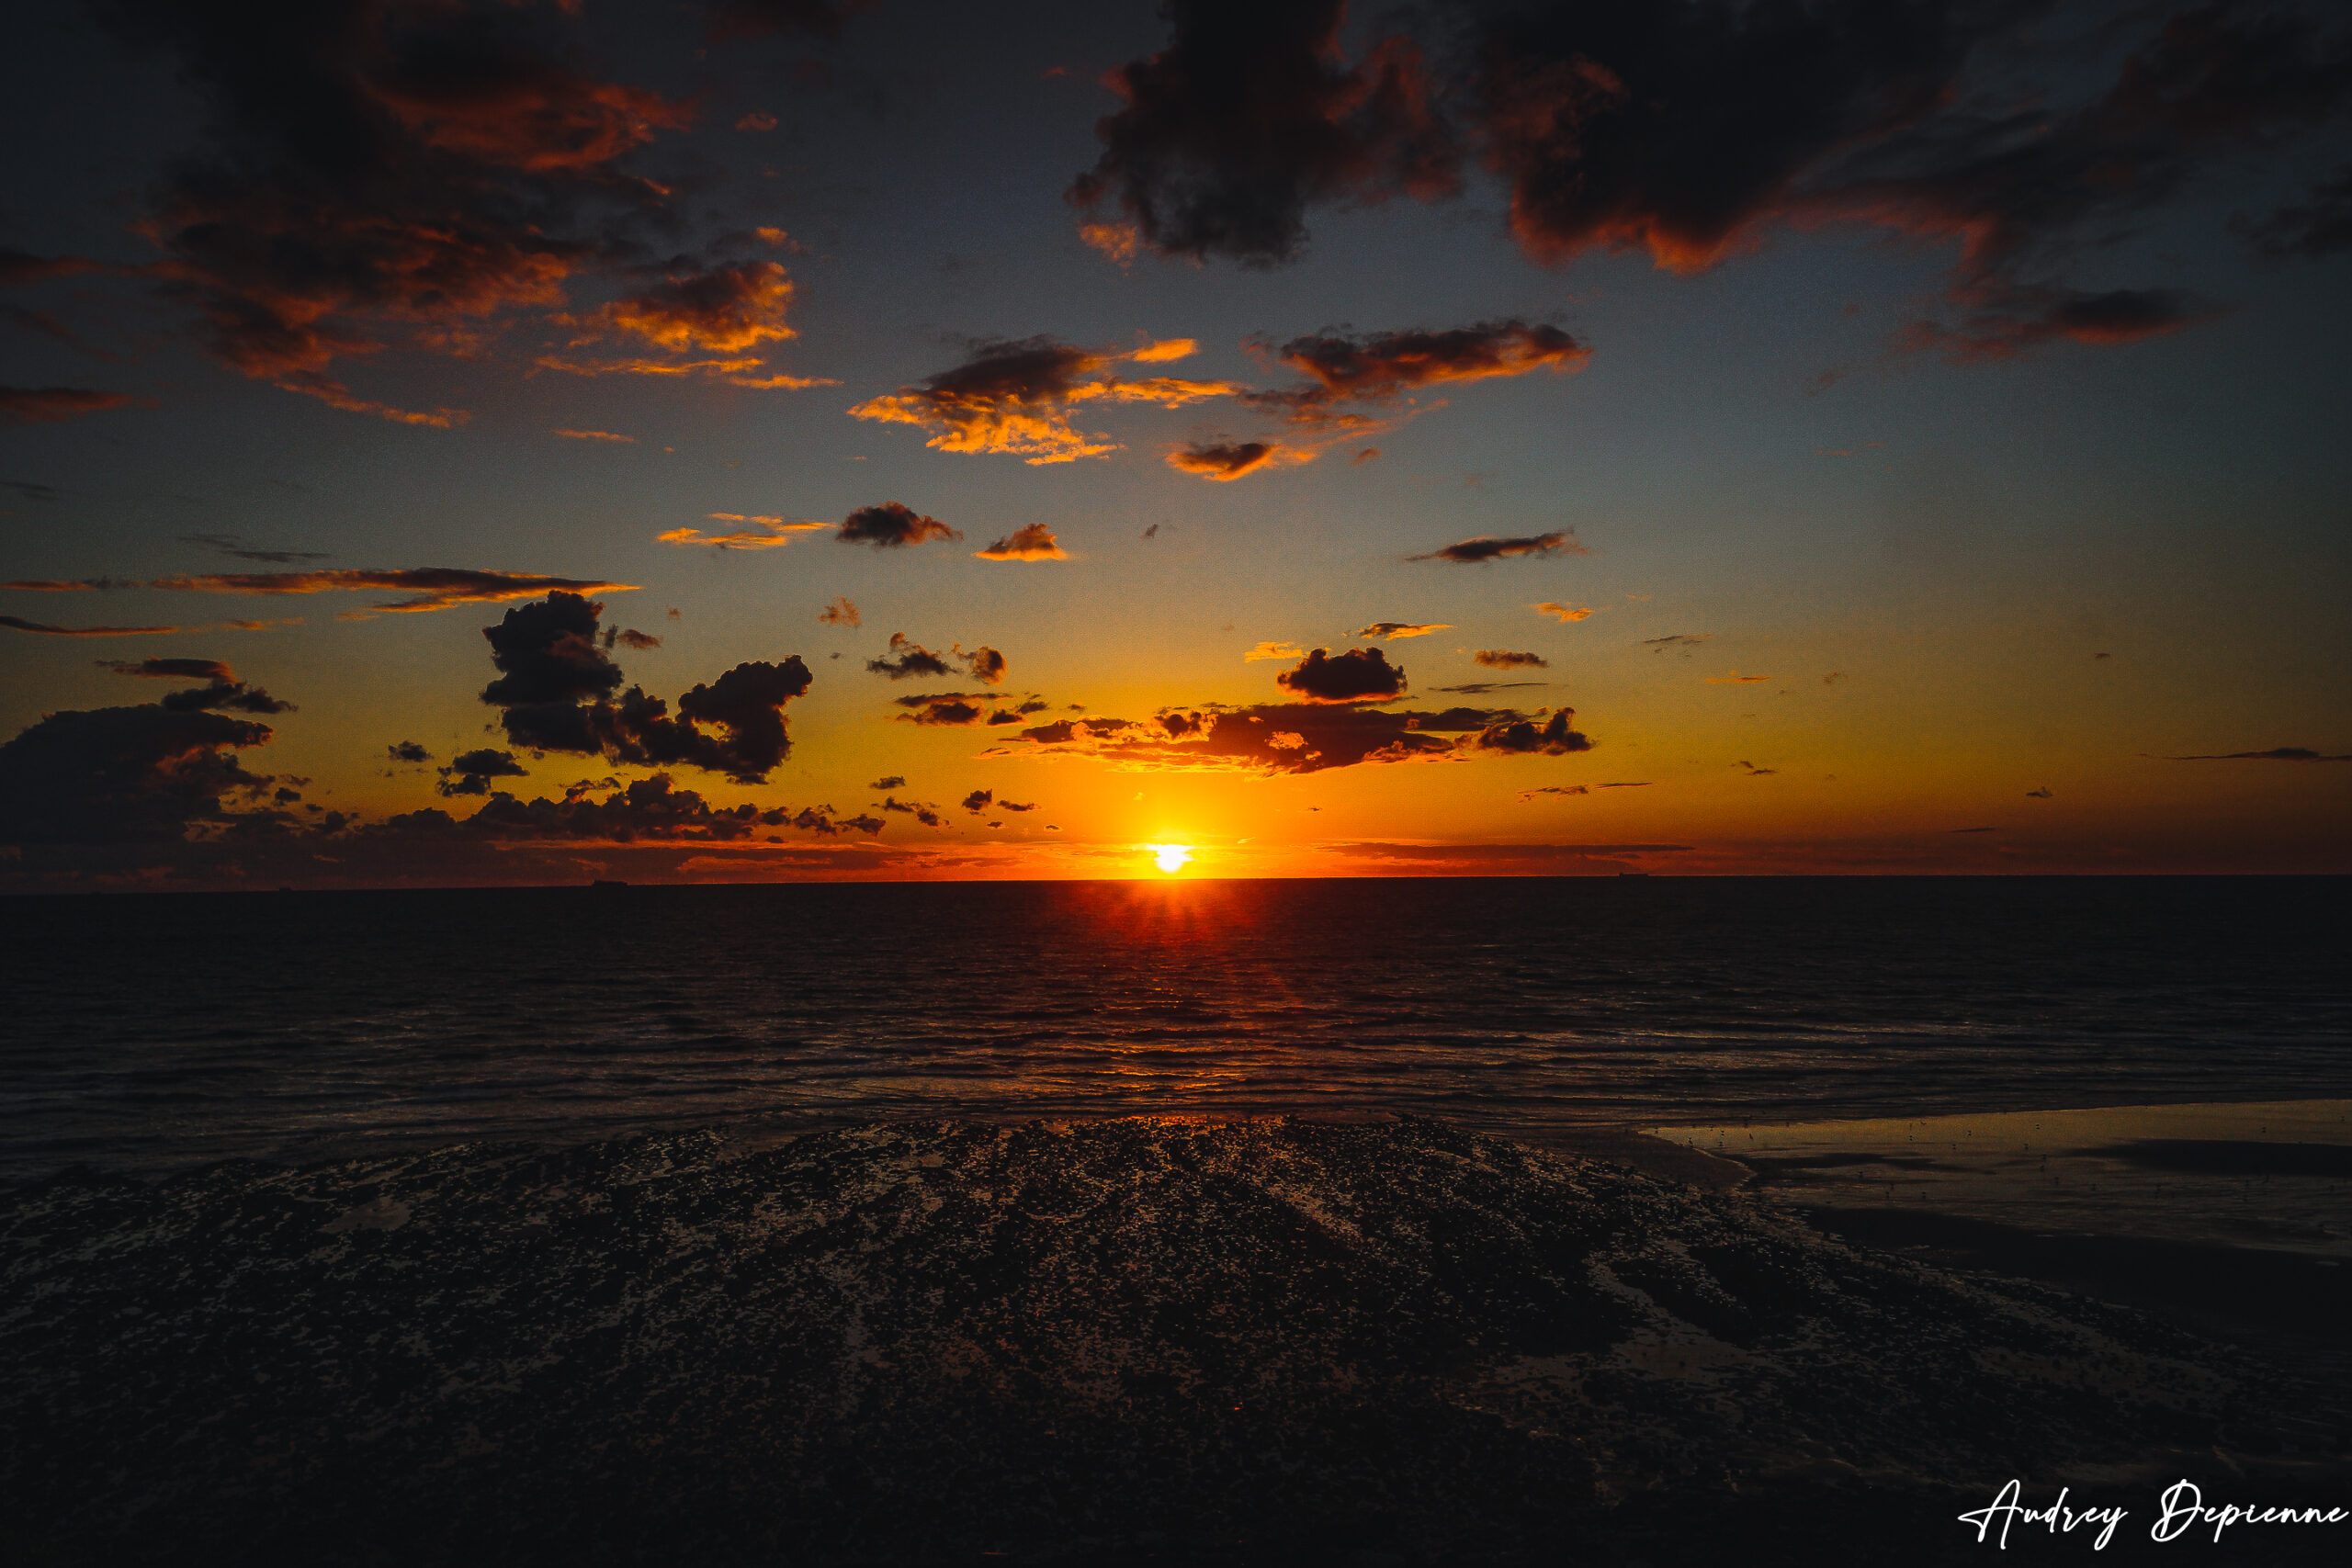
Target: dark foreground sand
<point>1144,1340</point>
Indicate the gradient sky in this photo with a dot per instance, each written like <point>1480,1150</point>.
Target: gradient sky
<point>1925,422</point>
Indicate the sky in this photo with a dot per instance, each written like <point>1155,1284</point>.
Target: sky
<point>450,442</point>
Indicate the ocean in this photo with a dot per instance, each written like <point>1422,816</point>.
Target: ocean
<point>154,1032</point>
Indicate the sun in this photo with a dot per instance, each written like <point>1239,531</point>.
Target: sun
<point>1170,857</point>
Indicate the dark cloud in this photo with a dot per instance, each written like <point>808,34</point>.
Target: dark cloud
<point>1480,688</point>
<point>1691,639</point>
<point>1688,130</point>
<point>1483,548</point>
<point>927,815</point>
<point>893,781</point>
<point>2276,755</point>
<point>42,628</point>
<point>647,810</point>
<point>470,772</point>
<point>1382,366</point>
<point>1391,630</point>
<point>977,801</point>
<point>379,172</point>
<point>1015,806</point>
<point>20,269</point>
<point>1502,659</point>
<point>890,527</point>
<point>984,663</point>
<point>227,696</point>
<point>52,405</point>
<point>2321,225</point>
<point>556,685</point>
<point>408,752</point>
<point>1221,460</point>
<point>1357,675</point>
<point>1523,736</point>
<point>755,19</point>
<point>1274,737</point>
<point>1754,772</point>
<point>546,653</point>
<point>1002,717</point>
<point>908,658</point>
<point>632,638</point>
<point>430,587</point>
<point>2041,794</point>
<point>944,710</point>
<point>1250,115</point>
<point>1014,397</point>
<point>172,669</point>
<point>230,545</point>
<point>124,774</point>
<point>1032,541</point>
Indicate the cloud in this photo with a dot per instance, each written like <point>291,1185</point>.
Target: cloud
<point>952,708</point>
<point>1525,737</point>
<point>984,663</point>
<point>1485,548</point>
<point>1555,789</point>
<point>1276,737</point>
<point>1674,639</point>
<point>840,613</point>
<point>758,533</point>
<point>1836,675</point>
<point>647,810</point>
<point>1736,679</point>
<point>1499,659</point>
<point>221,690</point>
<point>890,527</point>
<point>556,686</point>
<point>54,405</point>
<point>43,629</point>
<point>470,772</point>
<point>1382,366</point>
<point>1032,541</point>
<point>1223,461</point>
<point>432,587</point>
<point>2276,755</point>
<point>230,545</point>
<point>1392,630</point>
<point>1366,455</point>
<point>1691,132</point>
<point>2041,794</point>
<point>1754,772</point>
<point>1250,115</point>
<point>979,800</point>
<point>1562,611</point>
<point>1479,688</point>
<point>1273,650</point>
<point>1358,675</point>
<point>908,658</point>
<point>755,19</point>
<point>631,639</point>
<point>927,815</point>
<point>370,183</point>
<point>1014,397</point>
<point>408,752</point>
<point>728,311</point>
<point>893,781</point>
<point>593,436</point>
<point>124,774</point>
<point>1015,806</point>
<point>21,269</point>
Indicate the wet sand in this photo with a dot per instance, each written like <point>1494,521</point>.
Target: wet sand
<point>1152,1339</point>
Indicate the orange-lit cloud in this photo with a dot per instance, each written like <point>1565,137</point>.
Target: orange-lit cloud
<point>758,533</point>
<point>1502,659</point>
<point>841,611</point>
<point>593,436</point>
<point>1032,541</point>
<point>1014,397</point>
<point>724,309</point>
<point>1222,460</point>
<point>1562,611</point>
<point>1273,650</point>
<point>432,587</point>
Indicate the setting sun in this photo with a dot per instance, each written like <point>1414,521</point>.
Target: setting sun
<point>1170,858</point>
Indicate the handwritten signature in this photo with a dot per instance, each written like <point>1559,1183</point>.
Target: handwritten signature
<point>2180,1509</point>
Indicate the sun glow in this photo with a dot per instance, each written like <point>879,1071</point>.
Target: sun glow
<point>1170,858</point>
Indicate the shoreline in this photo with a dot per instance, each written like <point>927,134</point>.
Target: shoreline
<point>1243,1341</point>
